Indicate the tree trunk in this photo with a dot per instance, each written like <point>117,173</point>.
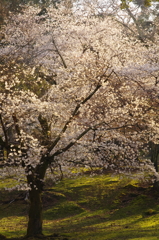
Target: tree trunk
<point>35,214</point>
<point>154,154</point>
<point>156,185</point>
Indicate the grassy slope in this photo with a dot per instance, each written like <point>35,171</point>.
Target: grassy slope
<point>89,208</point>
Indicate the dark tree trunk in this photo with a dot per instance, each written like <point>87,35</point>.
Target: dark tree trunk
<point>156,186</point>
<point>154,154</point>
<point>35,181</point>
<point>35,214</point>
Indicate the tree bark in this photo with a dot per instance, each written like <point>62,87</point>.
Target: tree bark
<point>154,154</point>
<point>35,214</point>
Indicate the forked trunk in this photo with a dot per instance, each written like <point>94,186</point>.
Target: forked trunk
<point>35,214</point>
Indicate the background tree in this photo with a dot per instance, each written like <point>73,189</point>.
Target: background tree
<point>140,18</point>
<point>144,15</point>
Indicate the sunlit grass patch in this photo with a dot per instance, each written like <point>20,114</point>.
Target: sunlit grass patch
<point>8,183</point>
<point>13,226</point>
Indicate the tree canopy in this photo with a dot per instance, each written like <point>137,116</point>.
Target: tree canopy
<point>72,99</point>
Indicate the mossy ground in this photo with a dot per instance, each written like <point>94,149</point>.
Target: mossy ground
<point>103,207</point>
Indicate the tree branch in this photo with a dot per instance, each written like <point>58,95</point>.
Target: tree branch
<point>4,144</point>
<point>71,143</point>
<point>58,52</point>
<point>125,25</point>
<point>137,25</point>
<point>17,129</point>
<point>16,125</point>
<point>79,105</point>
<point>4,131</point>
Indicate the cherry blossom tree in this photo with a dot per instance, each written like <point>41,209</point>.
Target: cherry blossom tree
<point>70,99</point>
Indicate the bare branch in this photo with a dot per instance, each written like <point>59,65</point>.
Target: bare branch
<point>4,131</point>
<point>72,143</point>
<point>58,52</point>
<point>141,35</point>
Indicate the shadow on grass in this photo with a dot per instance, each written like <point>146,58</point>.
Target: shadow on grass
<point>12,203</point>
<point>117,213</point>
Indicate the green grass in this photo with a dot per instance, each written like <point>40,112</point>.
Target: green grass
<point>102,207</point>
